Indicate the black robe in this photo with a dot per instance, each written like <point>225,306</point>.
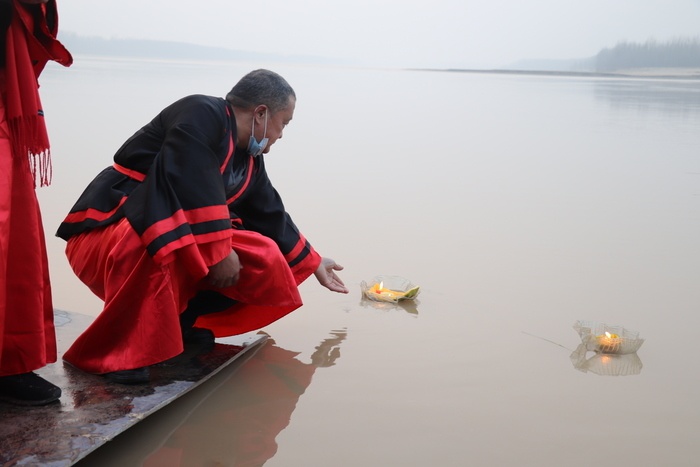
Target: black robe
<point>180,178</point>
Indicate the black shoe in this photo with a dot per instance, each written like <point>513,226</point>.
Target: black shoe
<point>135,376</point>
<point>199,336</point>
<point>28,389</point>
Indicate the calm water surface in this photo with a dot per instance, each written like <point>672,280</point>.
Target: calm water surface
<point>519,204</point>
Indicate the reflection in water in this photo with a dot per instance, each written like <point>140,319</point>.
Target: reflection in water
<point>328,351</point>
<point>678,98</point>
<point>409,306</point>
<point>251,409</point>
<point>601,363</point>
<point>606,364</point>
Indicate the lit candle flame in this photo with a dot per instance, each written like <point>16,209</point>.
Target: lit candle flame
<point>608,335</point>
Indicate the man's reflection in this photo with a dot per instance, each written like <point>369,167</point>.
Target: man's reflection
<point>240,421</point>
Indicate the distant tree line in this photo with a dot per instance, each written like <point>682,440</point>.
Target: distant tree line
<point>678,53</point>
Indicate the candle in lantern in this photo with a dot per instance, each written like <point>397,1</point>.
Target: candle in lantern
<point>383,294</point>
<point>608,342</point>
<point>380,292</point>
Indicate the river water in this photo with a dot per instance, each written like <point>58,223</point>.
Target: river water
<point>520,204</point>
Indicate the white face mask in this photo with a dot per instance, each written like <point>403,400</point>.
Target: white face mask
<point>255,147</point>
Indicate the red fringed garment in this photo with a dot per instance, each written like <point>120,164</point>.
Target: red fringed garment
<point>27,337</point>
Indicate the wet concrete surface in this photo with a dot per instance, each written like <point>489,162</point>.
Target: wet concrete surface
<point>92,410</point>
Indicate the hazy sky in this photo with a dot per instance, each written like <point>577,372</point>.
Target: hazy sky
<point>444,33</point>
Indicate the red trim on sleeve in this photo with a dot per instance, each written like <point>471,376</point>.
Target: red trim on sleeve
<point>307,266</point>
<point>188,240</point>
<point>91,213</point>
<point>296,250</point>
<point>180,217</point>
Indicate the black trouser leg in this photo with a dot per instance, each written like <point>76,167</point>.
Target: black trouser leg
<point>204,303</point>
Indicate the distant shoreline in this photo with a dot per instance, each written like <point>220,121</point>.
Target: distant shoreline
<point>649,73</point>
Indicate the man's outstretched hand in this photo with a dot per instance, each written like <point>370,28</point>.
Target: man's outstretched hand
<point>326,276</point>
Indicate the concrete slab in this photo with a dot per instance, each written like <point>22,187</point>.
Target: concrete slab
<point>93,411</point>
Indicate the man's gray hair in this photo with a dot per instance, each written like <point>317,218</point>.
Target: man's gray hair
<point>261,87</point>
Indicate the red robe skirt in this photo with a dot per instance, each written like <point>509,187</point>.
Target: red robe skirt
<point>27,336</point>
<point>140,326</point>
